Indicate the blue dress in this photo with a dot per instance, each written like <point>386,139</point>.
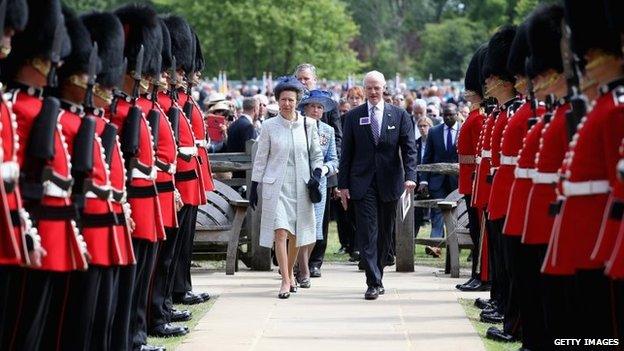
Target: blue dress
<point>330,159</point>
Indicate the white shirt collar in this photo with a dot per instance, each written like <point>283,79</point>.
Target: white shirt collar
<point>454,127</point>
<point>379,106</point>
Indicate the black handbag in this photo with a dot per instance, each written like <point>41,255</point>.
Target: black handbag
<point>313,189</point>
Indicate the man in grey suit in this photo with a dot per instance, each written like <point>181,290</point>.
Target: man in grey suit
<point>372,176</point>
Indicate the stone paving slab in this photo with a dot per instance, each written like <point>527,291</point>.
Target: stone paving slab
<point>419,311</point>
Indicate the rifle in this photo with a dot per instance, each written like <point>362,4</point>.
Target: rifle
<point>532,99</point>
<point>571,69</point>
<point>55,56</point>
<point>137,74</point>
<point>92,68</point>
<point>173,80</point>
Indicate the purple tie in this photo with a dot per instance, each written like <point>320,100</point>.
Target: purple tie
<point>374,125</point>
<point>449,139</point>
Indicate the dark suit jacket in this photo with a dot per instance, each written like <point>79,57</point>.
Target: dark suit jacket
<point>435,152</point>
<point>392,161</point>
<point>238,133</point>
<point>420,145</point>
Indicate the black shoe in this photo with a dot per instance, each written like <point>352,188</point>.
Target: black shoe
<point>361,265</point>
<point>181,316</point>
<point>168,330</point>
<point>493,318</point>
<point>499,335</point>
<point>204,295</point>
<point>371,293</point>
<point>315,272</point>
<point>354,257</point>
<point>490,309</point>
<point>283,295</point>
<point>151,348</point>
<point>482,303</point>
<point>390,261</point>
<point>459,286</point>
<point>476,285</point>
<point>341,251</point>
<point>381,290</point>
<point>293,288</point>
<point>305,283</point>
<point>187,298</point>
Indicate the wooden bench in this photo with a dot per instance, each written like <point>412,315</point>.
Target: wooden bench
<point>220,222</point>
<point>457,237</point>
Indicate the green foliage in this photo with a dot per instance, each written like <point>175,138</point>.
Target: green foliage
<point>90,5</point>
<point>448,46</point>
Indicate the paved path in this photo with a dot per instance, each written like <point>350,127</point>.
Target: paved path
<point>419,311</point>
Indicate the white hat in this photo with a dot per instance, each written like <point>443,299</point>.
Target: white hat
<point>215,97</point>
<point>221,105</point>
<point>273,108</point>
<point>263,99</point>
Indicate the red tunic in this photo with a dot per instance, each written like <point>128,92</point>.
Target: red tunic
<point>615,264</point>
<point>503,176</point>
<point>11,242</point>
<point>187,178</point>
<point>467,143</point>
<point>59,237</point>
<point>166,152</point>
<point>146,208</point>
<point>481,191</point>
<point>593,157</point>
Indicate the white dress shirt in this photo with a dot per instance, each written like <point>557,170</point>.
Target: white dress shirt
<point>379,110</point>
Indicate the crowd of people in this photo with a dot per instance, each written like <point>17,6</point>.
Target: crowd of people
<point>104,162</point>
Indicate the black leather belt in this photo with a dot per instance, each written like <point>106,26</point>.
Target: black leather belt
<point>165,187</point>
<point>141,191</point>
<point>118,196</point>
<point>55,213</point>
<point>88,220</point>
<point>186,175</point>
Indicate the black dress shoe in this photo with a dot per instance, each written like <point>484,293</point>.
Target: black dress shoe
<point>482,303</point>
<point>499,335</point>
<point>476,285</point>
<point>315,272</point>
<point>361,265</point>
<point>493,318</point>
<point>489,310</point>
<point>204,295</point>
<point>390,261</point>
<point>187,298</point>
<point>381,290</point>
<point>168,330</point>
<point>372,293</point>
<point>354,257</point>
<point>151,348</point>
<point>459,286</point>
<point>181,316</point>
<point>283,295</point>
<point>305,283</point>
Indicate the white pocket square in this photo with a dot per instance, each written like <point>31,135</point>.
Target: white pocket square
<point>391,127</point>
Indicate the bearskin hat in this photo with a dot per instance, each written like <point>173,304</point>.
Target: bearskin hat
<point>472,80</point>
<point>81,46</point>
<point>16,15</point>
<point>614,10</point>
<point>590,28</point>
<point>182,42</point>
<point>199,55</point>
<point>498,52</point>
<point>543,32</point>
<point>140,24</point>
<point>166,49</point>
<point>519,51</point>
<point>107,32</point>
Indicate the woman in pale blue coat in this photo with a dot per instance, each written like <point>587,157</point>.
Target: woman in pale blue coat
<point>282,166</point>
<point>318,102</point>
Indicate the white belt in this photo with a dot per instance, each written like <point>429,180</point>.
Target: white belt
<point>486,153</point>
<point>188,150</point>
<point>508,160</point>
<point>202,143</point>
<point>136,173</point>
<point>524,173</point>
<point>466,159</point>
<point>53,190</point>
<point>545,178</point>
<point>590,187</point>
<point>9,171</point>
<point>478,160</point>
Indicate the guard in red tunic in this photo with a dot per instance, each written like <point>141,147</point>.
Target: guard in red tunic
<point>143,45</point>
<point>499,83</point>
<point>160,316</point>
<point>188,174</point>
<point>467,143</point>
<point>116,283</point>
<point>589,169</point>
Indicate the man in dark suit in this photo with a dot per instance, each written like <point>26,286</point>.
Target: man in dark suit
<point>243,128</point>
<point>441,147</point>
<point>373,174</point>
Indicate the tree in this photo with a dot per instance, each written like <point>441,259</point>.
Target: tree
<point>90,5</point>
<point>448,46</point>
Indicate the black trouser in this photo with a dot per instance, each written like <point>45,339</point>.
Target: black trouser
<point>182,279</point>
<point>82,300</point>
<point>475,234</point>
<point>158,312</point>
<point>530,287</point>
<point>499,286</point>
<point>318,252</point>
<point>511,250</point>
<point>593,301</point>
<point>105,310</point>
<point>122,337</point>
<point>617,291</point>
<point>11,288</point>
<point>345,223</point>
<point>559,308</point>
<point>145,253</point>
<point>375,220</point>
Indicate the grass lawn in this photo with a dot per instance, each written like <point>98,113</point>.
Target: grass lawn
<point>473,314</point>
<point>198,312</point>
